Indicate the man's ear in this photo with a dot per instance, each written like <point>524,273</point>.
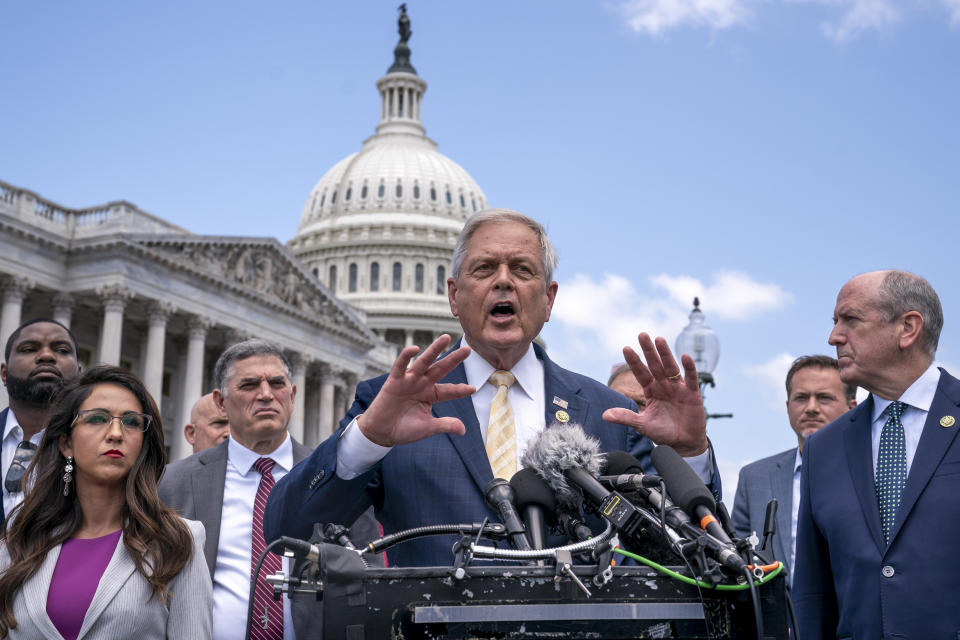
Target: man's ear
<point>452,296</point>
<point>911,328</point>
<point>218,401</point>
<point>190,433</point>
<point>3,373</point>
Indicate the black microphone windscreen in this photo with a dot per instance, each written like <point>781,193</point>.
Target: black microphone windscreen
<point>558,449</point>
<point>620,463</point>
<point>532,490</point>
<point>683,484</point>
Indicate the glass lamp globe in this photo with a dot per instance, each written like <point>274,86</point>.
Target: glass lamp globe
<point>700,341</point>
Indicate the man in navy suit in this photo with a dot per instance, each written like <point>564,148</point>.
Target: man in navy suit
<point>816,396</point>
<point>413,443</point>
<point>39,358</point>
<point>876,543</point>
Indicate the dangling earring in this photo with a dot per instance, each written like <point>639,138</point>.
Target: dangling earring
<point>67,476</point>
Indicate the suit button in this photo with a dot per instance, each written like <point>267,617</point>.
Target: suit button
<point>887,571</point>
<point>317,478</point>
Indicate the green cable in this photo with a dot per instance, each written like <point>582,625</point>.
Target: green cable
<point>699,583</point>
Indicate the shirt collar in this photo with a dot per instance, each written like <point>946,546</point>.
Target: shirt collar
<point>918,395</point>
<point>478,370</point>
<point>11,424</point>
<point>242,458</point>
<point>798,461</point>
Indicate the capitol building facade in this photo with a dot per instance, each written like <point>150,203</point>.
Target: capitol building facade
<point>364,275</point>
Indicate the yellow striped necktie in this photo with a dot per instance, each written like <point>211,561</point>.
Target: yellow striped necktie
<point>501,430</point>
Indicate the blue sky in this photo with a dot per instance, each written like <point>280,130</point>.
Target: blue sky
<point>757,153</point>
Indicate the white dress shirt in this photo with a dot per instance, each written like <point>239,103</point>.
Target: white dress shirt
<point>231,578</point>
<point>356,454</point>
<point>918,397</point>
<point>795,516</point>
<point>12,436</point>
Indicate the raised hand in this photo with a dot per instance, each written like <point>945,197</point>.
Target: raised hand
<point>674,414</point>
<point>401,412</point>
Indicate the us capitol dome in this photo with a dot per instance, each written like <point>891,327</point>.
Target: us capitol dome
<point>380,226</point>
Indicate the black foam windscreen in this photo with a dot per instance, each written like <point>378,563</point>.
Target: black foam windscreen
<point>531,489</point>
<point>621,462</point>
<point>685,487</point>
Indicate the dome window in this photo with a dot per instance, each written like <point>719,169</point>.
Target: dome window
<point>323,199</point>
<point>381,190</point>
<point>418,278</point>
<point>346,196</point>
<point>463,204</point>
<point>333,198</point>
<point>397,275</point>
<point>474,203</point>
<point>352,285</point>
<point>416,192</point>
<point>374,276</point>
<point>332,279</point>
<point>449,197</point>
<point>399,190</point>
<point>433,194</point>
<point>441,280</point>
<point>363,192</point>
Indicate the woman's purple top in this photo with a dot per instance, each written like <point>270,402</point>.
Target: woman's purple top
<point>79,568</point>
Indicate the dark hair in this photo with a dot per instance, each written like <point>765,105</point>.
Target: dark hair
<point>16,334</point>
<point>900,292</point>
<point>156,538</point>
<point>242,351</point>
<point>822,362</point>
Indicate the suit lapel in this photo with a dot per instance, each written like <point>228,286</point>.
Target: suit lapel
<point>470,445</point>
<point>933,445</point>
<point>3,423</point>
<point>117,573</point>
<point>859,448</point>
<point>207,483</point>
<point>35,594</point>
<point>783,480</point>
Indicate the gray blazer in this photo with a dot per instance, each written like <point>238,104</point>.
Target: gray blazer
<point>123,606</point>
<point>760,481</point>
<point>194,488</point>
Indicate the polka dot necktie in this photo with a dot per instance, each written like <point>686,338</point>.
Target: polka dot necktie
<point>891,467</point>
<point>501,430</point>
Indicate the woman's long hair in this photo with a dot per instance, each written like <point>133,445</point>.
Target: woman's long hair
<point>157,539</point>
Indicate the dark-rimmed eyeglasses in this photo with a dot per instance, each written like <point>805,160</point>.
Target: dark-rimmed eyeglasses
<point>101,418</point>
<point>13,483</point>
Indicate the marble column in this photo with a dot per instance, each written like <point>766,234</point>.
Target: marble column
<point>408,337</point>
<point>298,366</point>
<point>14,290</point>
<point>158,314</point>
<point>63,308</point>
<point>115,298</point>
<point>192,383</point>
<point>327,425</point>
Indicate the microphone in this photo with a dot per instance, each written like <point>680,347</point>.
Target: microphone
<point>626,472</point>
<point>337,533</point>
<point>501,497</point>
<point>689,492</point>
<point>300,549</point>
<point>537,505</point>
<point>568,460</point>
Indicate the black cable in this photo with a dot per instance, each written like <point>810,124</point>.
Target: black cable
<point>253,585</point>
<point>662,485</point>
<point>381,544</point>
<point>793,614</point>
<point>755,597</point>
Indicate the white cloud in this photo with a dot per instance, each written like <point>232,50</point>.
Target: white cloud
<point>953,6</point>
<point>595,319</point>
<point>860,16</point>
<point>654,17</point>
<point>771,375</point>
<point>732,294</point>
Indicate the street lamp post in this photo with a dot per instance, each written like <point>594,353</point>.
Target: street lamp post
<point>701,343</point>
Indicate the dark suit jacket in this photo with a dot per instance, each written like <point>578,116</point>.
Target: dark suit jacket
<point>848,582</point>
<point>759,482</point>
<point>194,488</point>
<point>3,422</point>
<point>437,480</point>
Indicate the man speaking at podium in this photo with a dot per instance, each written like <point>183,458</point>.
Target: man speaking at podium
<point>421,443</point>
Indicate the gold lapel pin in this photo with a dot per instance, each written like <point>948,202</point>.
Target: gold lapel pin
<point>947,421</point>
<point>562,416</point>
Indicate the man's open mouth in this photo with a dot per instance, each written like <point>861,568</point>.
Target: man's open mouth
<point>502,310</point>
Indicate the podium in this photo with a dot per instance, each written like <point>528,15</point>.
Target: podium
<point>528,602</point>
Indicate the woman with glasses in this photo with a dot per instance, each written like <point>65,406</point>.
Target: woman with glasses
<point>91,552</point>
